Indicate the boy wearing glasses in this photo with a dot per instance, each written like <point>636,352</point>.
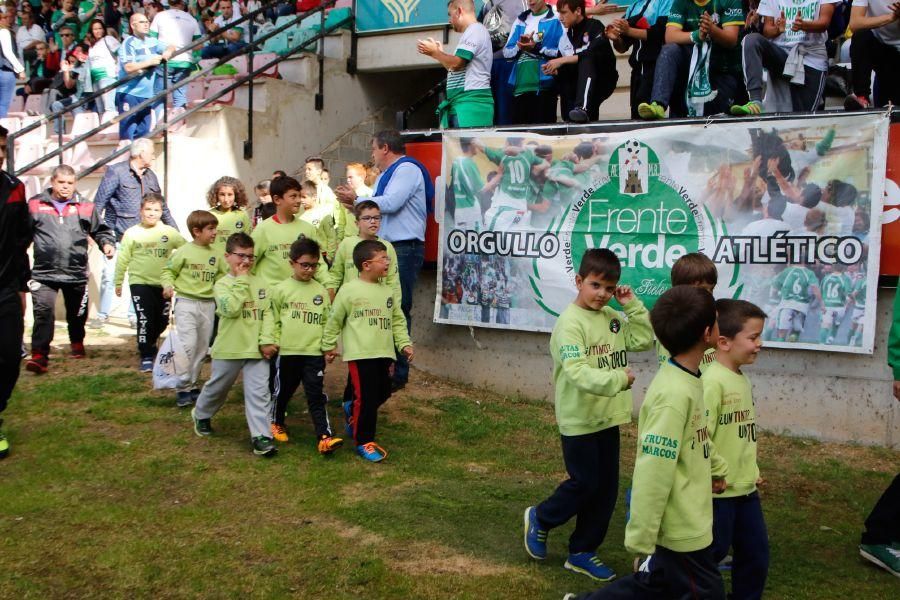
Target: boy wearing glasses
<point>368,217</point>
<point>300,308</point>
<point>244,344</point>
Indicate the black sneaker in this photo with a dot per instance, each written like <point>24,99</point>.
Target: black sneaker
<point>184,399</point>
<point>264,446</point>
<point>202,427</point>
<point>195,393</point>
<point>396,386</point>
<point>578,115</point>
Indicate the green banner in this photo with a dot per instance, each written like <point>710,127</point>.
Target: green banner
<point>390,15</point>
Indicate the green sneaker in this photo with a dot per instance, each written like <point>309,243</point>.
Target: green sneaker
<point>264,446</point>
<point>4,443</point>
<point>749,109</point>
<point>883,555</point>
<point>202,427</point>
<point>652,111</point>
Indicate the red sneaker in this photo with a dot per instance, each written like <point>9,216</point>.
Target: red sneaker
<point>38,364</point>
<point>855,102</point>
<point>77,350</point>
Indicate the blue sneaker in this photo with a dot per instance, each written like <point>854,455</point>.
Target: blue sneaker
<point>146,365</point>
<point>588,564</point>
<point>372,452</point>
<point>535,537</point>
<point>348,417</point>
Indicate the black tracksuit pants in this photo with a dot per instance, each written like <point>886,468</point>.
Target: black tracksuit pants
<point>371,382</point>
<point>288,372</point>
<point>43,297</point>
<point>883,523</point>
<point>590,81</point>
<point>152,311</point>
<point>12,328</point>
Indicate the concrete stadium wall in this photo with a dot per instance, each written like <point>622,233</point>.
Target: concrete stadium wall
<point>828,396</point>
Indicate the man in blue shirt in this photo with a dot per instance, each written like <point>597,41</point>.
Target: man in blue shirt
<point>138,53</point>
<point>402,192</point>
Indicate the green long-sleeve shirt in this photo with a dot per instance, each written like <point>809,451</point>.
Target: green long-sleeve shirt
<point>144,252</point>
<point>343,270</point>
<point>230,221</point>
<point>589,350</point>
<point>662,355</point>
<point>245,317</point>
<point>300,310</point>
<point>369,319</point>
<point>322,219</point>
<point>671,493</point>
<point>731,421</point>
<point>193,270</point>
<point>272,249</point>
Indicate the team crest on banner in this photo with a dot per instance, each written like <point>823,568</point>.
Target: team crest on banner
<point>784,209</point>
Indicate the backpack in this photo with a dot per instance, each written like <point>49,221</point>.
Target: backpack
<point>497,23</point>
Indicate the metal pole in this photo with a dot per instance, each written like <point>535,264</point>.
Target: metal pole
<point>248,143</point>
<point>10,155</point>
<point>320,97</point>
<point>61,124</point>
<point>165,100</point>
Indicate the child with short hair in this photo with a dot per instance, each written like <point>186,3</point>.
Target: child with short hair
<point>589,346</point>
<point>144,251</point>
<point>274,236</point>
<point>671,500</point>
<point>698,270</point>
<point>368,318</point>
<point>368,217</point>
<point>319,215</point>
<point>191,272</point>
<point>244,345</point>
<point>264,207</point>
<point>227,199</point>
<point>300,308</point>
<point>731,420</point>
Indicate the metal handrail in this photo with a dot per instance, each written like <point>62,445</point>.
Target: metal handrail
<point>248,49</point>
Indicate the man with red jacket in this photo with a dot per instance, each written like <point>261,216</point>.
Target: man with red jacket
<point>14,241</point>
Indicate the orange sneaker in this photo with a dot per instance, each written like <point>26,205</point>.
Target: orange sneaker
<point>279,433</point>
<point>327,444</point>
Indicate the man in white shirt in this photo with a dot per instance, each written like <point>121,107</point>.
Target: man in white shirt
<point>875,46</point>
<point>176,27</point>
<point>230,40</point>
<point>29,35</point>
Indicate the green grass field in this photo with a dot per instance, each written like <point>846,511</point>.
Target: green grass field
<point>108,493</point>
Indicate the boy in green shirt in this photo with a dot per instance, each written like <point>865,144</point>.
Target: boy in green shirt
<point>244,345</point>
<point>144,251</point>
<point>368,217</point>
<point>858,295</point>
<point>320,215</point>
<point>798,287</point>
<point>367,315</point>
<point>731,420</point>
<point>274,236</point>
<point>300,308</point>
<point>191,272</point>
<point>836,289</point>
<point>589,346</point>
<point>671,501</point>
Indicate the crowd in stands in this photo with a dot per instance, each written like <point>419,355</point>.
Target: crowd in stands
<point>531,61</point>
<point>62,50</point>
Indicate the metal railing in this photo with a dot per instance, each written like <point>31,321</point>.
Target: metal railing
<point>165,124</point>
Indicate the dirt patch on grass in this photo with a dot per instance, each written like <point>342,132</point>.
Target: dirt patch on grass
<point>421,558</point>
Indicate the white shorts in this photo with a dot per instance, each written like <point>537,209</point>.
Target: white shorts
<point>856,316</point>
<point>832,317</point>
<point>504,218</point>
<point>468,218</point>
<point>790,319</point>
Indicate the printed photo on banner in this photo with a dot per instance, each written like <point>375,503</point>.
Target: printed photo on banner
<point>789,211</point>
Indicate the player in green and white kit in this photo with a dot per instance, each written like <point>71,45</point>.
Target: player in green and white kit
<point>799,287</point>
<point>836,288</point>
<point>509,204</point>
<point>858,294</point>
<point>467,185</point>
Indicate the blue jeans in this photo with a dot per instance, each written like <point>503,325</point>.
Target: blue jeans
<point>220,50</point>
<point>176,74</point>
<point>739,523</point>
<point>670,80</point>
<point>7,91</point>
<point>410,256</point>
<point>136,125</point>
<point>106,102</point>
<point>59,105</point>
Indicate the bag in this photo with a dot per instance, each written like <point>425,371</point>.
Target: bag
<point>170,369</point>
<point>498,26</point>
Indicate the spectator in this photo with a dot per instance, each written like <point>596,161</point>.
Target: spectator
<point>875,45</point>
<point>792,49</point>
<point>43,68</point>
<point>103,64</point>
<point>15,237</point>
<point>589,76</point>
<point>536,37</point>
<point>88,10</point>
<point>228,41</point>
<point>10,67</point>
<point>501,15</point>
<point>124,10</point>
<point>69,43</point>
<point>356,179</point>
<point>712,40</point>
<point>65,16</point>
<point>175,27</point>
<point>67,87</point>
<point>469,101</point>
<point>29,35</point>
<point>139,53</point>
<point>118,199</point>
<point>44,16</point>
<point>152,8</point>
<point>403,192</point>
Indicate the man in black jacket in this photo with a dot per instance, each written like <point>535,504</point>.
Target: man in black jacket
<point>14,241</point>
<point>60,222</point>
<point>589,76</point>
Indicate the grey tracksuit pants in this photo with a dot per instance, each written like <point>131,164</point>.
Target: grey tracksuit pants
<point>257,399</point>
